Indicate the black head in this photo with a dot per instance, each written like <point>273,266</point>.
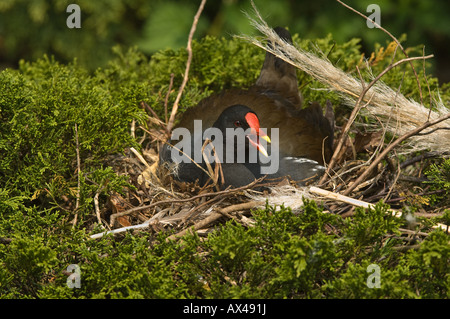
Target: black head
<point>241,116</point>
<point>237,116</point>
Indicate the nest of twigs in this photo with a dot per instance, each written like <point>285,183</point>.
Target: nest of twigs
<point>161,203</point>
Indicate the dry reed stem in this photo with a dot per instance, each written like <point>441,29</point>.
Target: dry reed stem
<point>360,203</point>
<point>213,175</point>
<point>190,158</point>
<point>386,103</point>
<point>140,157</point>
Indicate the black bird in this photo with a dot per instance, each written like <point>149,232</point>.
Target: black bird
<point>237,145</point>
<point>238,166</point>
<point>305,135</point>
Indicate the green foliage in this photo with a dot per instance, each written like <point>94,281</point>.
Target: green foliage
<point>284,255</point>
<point>371,224</point>
<point>429,265</point>
<point>40,106</point>
<point>32,28</point>
<point>439,176</point>
<point>129,270</point>
<point>28,29</point>
<point>29,261</point>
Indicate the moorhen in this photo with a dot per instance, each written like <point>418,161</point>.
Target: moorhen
<point>305,138</point>
<point>238,132</point>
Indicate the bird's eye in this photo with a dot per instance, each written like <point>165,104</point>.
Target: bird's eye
<point>238,124</point>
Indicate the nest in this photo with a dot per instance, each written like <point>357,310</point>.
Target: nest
<point>161,203</point>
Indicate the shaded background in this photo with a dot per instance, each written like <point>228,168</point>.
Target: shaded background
<point>30,28</point>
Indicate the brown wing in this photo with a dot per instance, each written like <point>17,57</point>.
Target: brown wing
<point>277,102</point>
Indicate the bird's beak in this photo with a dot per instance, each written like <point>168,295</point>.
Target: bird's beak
<point>265,136</point>
<point>256,133</point>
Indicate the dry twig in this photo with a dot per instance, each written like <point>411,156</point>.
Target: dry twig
<point>385,102</point>
<point>166,100</point>
<point>77,203</point>
<point>218,213</point>
<point>358,107</point>
<point>188,65</point>
<point>390,148</point>
<point>170,201</point>
<point>360,203</point>
<point>96,204</point>
<point>394,39</point>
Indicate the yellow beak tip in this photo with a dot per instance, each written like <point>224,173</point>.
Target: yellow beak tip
<point>266,138</point>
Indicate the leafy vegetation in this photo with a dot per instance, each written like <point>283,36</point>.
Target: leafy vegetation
<point>312,254</point>
<point>28,29</point>
<point>283,256</point>
<point>440,178</point>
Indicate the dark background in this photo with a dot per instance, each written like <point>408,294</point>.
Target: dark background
<point>30,28</point>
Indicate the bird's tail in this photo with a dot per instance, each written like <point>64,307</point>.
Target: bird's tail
<point>279,76</point>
